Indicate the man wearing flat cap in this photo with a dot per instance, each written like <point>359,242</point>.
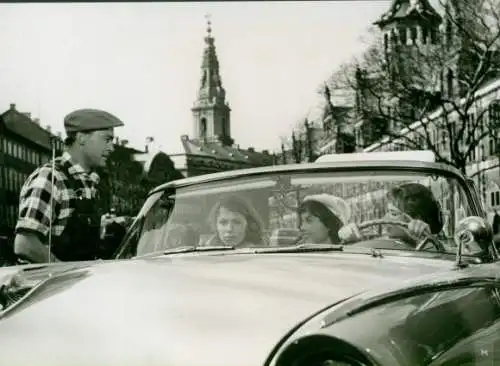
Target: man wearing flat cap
<point>60,208</point>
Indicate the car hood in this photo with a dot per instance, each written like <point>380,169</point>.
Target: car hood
<point>189,309</point>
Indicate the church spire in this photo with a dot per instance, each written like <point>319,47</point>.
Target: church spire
<point>211,112</point>
<point>209,24</point>
<point>210,83</point>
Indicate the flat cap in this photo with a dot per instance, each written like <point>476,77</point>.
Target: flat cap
<point>85,120</point>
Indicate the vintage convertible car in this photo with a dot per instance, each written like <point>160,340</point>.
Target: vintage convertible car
<point>218,270</point>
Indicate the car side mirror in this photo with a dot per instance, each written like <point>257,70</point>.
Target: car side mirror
<point>474,236</point>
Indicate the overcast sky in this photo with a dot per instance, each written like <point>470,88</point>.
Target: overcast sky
<point>141,62</point>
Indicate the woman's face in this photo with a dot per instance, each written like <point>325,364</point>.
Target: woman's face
<point>315,231</point>
<point>393,213</point>
<point>231,227</point>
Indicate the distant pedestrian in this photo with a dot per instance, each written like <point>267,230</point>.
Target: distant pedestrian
<point>60,209</point>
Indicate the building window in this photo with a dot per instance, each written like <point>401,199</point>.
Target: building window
<point>12,180</point>
<point>413,35</point>
<point>449,83</point>
<point>433,36</point>
<point>8,179</point>
<point>495,199</point>
<point>402,36</point>
<point>224,127</point>
<point>443,140</point>
<point>493,145</point>
<point>425,35</point>
<point>21,180</point>
<point>494,114</point>
<point>203,128</point>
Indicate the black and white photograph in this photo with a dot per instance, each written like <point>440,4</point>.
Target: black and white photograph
<point>250,183</point>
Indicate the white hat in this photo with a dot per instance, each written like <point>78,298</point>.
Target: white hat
<point>336,205</point>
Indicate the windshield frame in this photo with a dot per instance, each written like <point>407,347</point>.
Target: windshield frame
<point>399,165</point>
<point>390,167</point>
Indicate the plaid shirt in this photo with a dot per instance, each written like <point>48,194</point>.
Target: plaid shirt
<point>34,200</point>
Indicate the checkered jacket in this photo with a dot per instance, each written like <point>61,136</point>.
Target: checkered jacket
<point>34,201</point>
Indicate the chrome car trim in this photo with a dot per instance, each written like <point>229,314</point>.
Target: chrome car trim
<point>411,291</point>
<point>315,167</point>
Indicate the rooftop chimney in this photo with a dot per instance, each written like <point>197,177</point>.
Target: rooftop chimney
<point>13,106</point>
<point>37,121</point>
<point>251,149</point>
<point>48,128</point>
<point>265,152</point>
<point>27,114</point>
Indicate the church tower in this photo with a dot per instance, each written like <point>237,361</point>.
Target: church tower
<point>411,30</point>
<point>211,112</point>
<point>409,24</point>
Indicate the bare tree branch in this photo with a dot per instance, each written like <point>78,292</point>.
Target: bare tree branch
<point>399,86</point>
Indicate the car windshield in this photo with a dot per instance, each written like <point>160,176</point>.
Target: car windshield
<point>309,207</point>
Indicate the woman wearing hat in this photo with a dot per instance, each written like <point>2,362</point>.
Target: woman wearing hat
<point>322,215</point>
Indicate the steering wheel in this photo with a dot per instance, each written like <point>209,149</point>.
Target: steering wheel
<point>431,240</point>
<point>420,246</point>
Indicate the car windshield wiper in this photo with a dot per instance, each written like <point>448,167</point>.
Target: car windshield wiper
<point>302,248</point>
<point>195,248</point>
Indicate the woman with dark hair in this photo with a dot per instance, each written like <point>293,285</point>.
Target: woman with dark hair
<point>322,215</point>
<point>235,222</point>
<point>412,203</point>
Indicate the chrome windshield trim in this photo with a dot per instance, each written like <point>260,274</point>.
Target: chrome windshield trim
<point>424,167</point>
